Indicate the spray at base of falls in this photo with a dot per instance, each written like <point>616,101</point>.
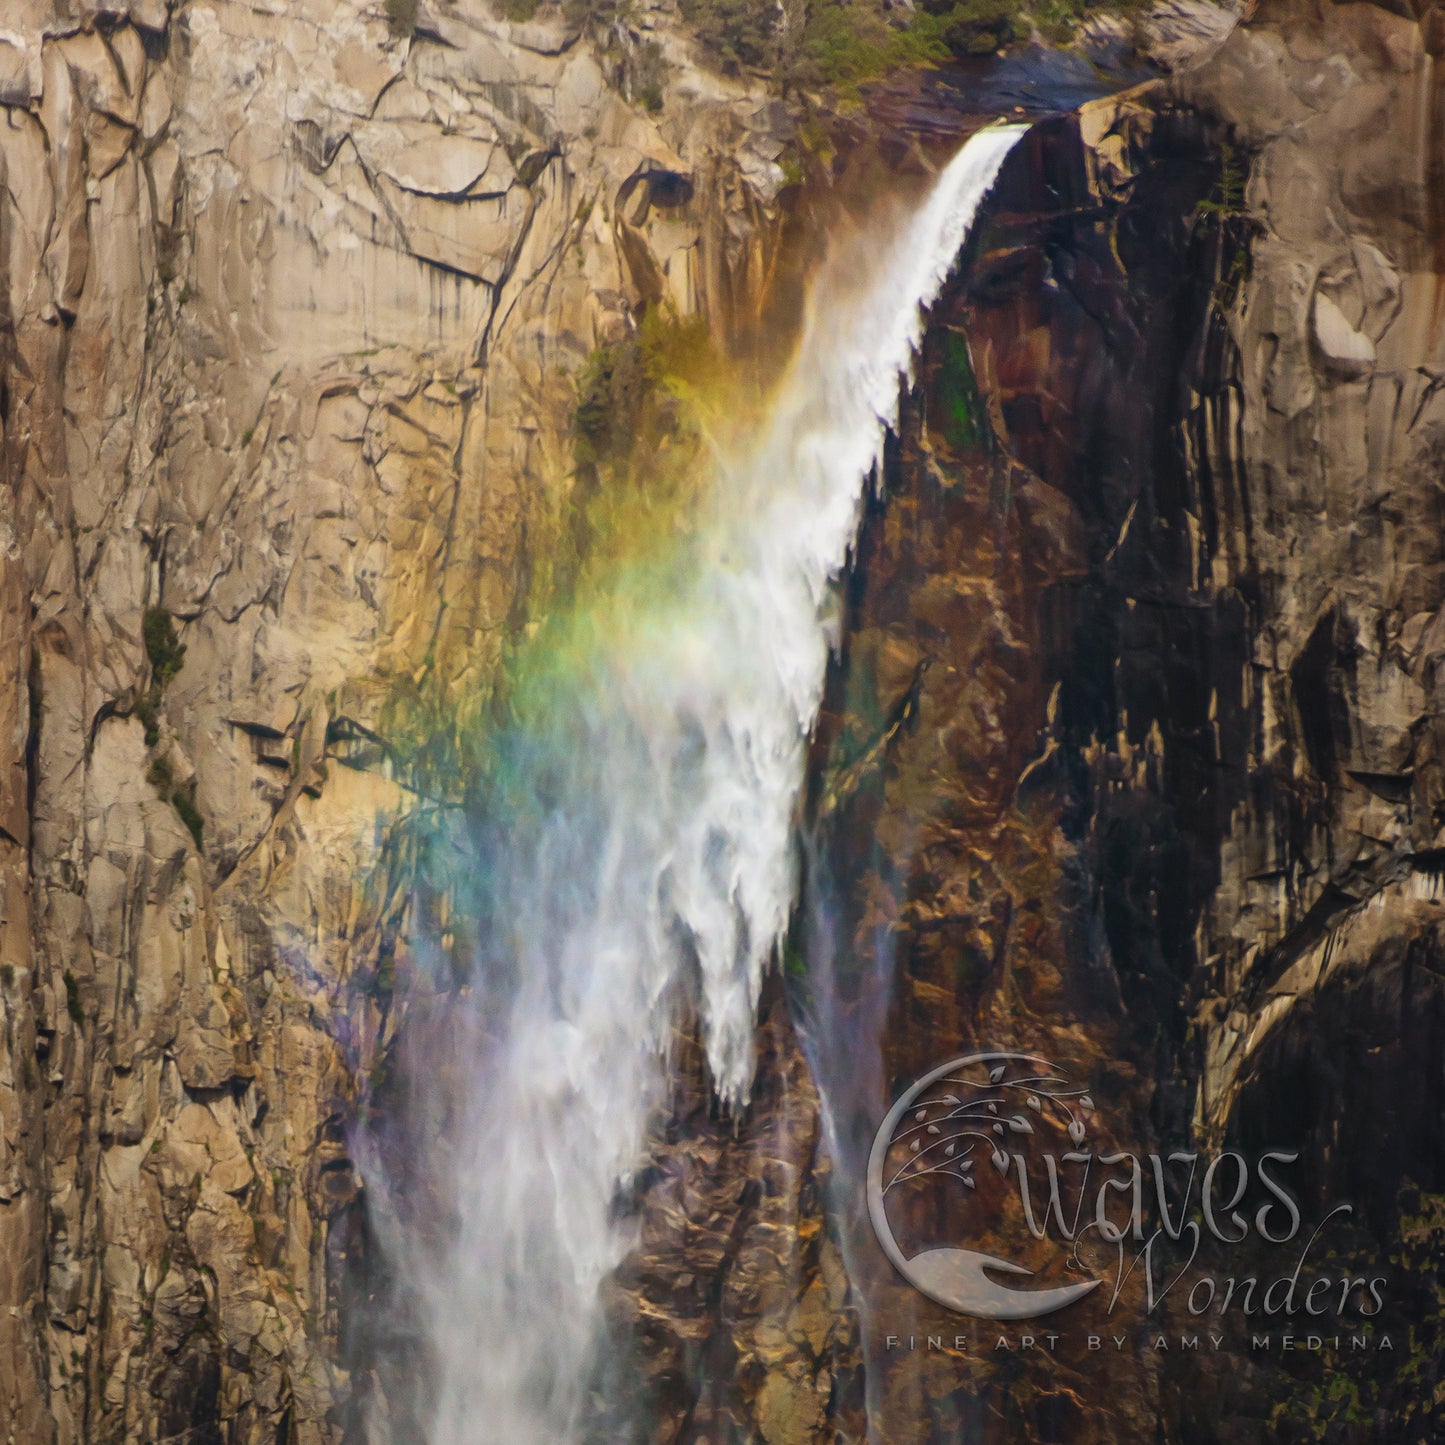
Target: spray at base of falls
<point>641,837</point>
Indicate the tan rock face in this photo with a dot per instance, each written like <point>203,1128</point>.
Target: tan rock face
<point>289,308</point>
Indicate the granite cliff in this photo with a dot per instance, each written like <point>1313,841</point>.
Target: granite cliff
<point>1130,750</point>
<point>294,297</point>
<point>1142,626</point>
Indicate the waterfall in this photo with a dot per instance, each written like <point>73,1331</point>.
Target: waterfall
<point>643,842</point>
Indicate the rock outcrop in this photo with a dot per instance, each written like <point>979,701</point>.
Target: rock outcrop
<point>293,297</point>
<point>1131,753</point>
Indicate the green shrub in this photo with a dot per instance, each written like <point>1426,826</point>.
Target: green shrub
<point>964,420</point>
<point>979,27</point>
<point>646,75</point>
<point>73,1005</point>
<point>733,34</point>
<point>843,43</point>
<point>184,803</point>
<point>1227,198</point>
<point>600,18</point>
<point>166,654</point>
<point>792,168</point>
<point>183,800</point>
<point>624,390</point>
<point>610,393</point>
<point>147,711</point>
<point>401,17</point>
<point>847,42</point>
<point>633,65</point>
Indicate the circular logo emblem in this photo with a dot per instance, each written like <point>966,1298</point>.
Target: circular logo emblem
<point>983,1112</point>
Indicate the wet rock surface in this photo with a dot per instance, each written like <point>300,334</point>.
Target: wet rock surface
<point>1130,756</point>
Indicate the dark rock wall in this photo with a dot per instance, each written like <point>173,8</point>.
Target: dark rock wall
<point>1131,756</point>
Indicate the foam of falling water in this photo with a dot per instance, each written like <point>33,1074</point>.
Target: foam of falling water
<point>644,835</point>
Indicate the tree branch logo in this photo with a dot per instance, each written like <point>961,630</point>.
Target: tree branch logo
<point>953,1123</point>
<point>998,1146</point>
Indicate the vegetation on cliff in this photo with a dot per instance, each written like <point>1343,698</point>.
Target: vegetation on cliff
<point>804,44</point>
<point>165,653</point>
<point>1404,1384</point>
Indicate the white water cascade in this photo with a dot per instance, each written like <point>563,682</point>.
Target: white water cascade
<point>649,844</point>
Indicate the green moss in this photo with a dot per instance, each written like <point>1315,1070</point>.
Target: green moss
<point>601,17</point>
<point>386,972</point>
<point>795,965</point>
<point>957,397</point>
<point>979,27</point>
<point>1404,1385</point>
<point>814,137</point>
<point>73,1005</point>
